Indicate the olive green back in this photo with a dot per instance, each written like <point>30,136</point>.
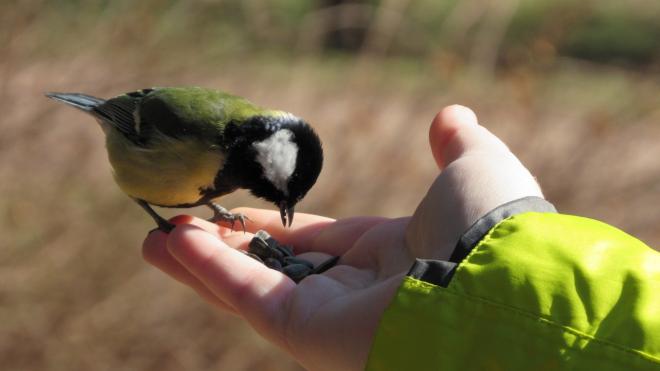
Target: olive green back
<point>193,111</point>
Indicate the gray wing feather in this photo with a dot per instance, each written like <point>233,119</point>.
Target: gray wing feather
<point>118,112</point>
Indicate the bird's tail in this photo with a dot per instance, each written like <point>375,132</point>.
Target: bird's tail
<point>81,101</point>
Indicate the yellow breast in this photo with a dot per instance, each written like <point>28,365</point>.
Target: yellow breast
<point>170,172</point>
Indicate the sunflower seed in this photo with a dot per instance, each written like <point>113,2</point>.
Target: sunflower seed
<point>273,264</point>
<point>286,250</point>
<point>324,266</point>
<point>262,235</point>
<point>293,260</point>
<point>264,250</point>
<point>296,271</point>
<point>280,257</point>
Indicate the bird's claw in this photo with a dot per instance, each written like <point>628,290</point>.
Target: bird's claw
<point>226,216</point>
<point>241,219</point>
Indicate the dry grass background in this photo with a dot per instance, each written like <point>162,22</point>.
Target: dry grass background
<point>74,291</point>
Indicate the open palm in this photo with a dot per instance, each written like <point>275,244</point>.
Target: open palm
<point>328,321</point>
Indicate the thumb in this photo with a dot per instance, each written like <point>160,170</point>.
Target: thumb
<point>478,173</point>
<point>455,131</point>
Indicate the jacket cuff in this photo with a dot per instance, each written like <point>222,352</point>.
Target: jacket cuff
<point>440,272</point>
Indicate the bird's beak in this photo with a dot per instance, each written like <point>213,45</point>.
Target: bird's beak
<point>286,213</point>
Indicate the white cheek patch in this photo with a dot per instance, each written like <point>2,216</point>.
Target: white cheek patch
<point>277,156</point>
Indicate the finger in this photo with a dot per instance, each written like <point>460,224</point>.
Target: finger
<point>155,252</point>
<point>238,239</point>
<point>340,236</point>
<point>301,232</point>
<point>381,249</point>
<point>312,232</point>
<point>257,292</point>
<point>455,131</point>
<point>213,228</point>
<point>304,227</point>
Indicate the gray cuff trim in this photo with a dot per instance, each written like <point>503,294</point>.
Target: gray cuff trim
<point>439,272</point>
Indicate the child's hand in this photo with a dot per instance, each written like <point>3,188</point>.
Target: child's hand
<point>328,321</point>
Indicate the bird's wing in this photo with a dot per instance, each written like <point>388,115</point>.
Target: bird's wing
<point>122,113</point>
<point>182,112</point>
<point>192,112</point>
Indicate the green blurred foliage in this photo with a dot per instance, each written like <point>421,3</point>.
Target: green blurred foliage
<point>606,31</point>
<point>616,34</point>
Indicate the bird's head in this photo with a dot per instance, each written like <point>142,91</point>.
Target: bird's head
<point>277,157</point>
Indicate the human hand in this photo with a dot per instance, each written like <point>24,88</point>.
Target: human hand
<point>328,321</point>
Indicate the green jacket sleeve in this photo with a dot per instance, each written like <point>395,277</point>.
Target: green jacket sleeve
<point>528,290</point>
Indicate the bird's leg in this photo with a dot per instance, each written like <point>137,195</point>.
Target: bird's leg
<point>220,214</point>
<point>163,224</point>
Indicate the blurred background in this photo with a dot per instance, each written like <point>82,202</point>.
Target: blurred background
<point>572,86</point>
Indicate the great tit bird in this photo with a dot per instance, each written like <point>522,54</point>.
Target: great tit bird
<point>185,146</point>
